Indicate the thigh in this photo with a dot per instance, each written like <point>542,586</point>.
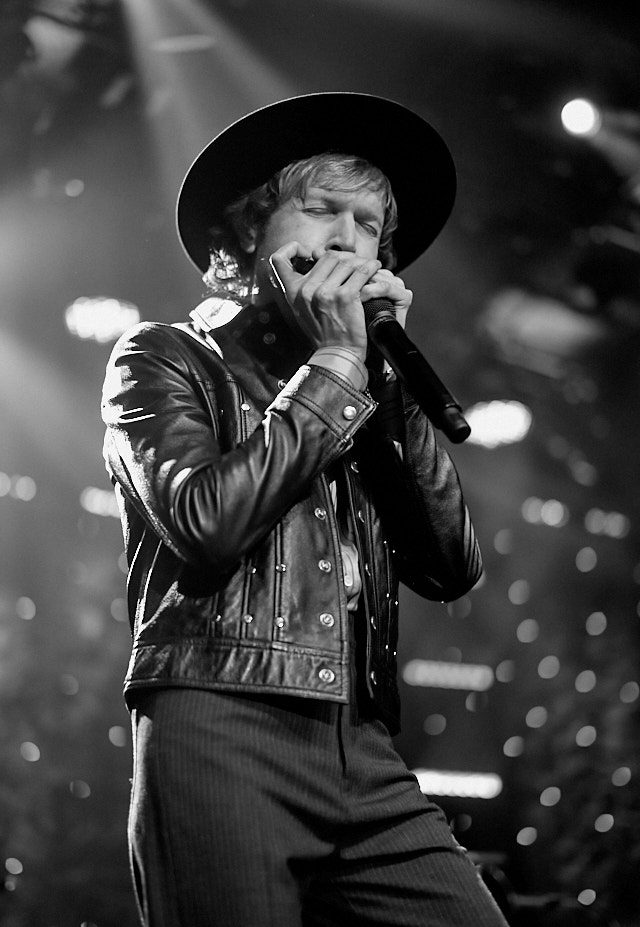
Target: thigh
<point>398,864</point>
<point>212,838</point>
<point>436,888</point>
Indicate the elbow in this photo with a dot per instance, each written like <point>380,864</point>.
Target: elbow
<point>205,541</point>
<point>465,579</point>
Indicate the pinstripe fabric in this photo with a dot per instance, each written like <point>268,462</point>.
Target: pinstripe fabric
<point>286,812</point>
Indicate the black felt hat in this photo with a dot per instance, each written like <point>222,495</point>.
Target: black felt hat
<point>245,155</point>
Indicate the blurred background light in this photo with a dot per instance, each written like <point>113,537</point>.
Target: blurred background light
<point>99,502</point>
<point>438,674</point>
<point>581,117</point>
<point>100,318</point>
<point>460,784</point>
<point>498,422</point>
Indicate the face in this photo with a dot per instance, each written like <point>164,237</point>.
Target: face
<point>322,220</point>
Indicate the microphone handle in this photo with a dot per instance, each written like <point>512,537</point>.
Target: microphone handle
<point>414,371</point>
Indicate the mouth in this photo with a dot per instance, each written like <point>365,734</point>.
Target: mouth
<point>302,265</point>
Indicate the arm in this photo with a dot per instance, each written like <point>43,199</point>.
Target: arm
<point>167,446</point>
<point>420,499</point>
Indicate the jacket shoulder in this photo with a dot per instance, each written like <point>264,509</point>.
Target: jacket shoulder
<point>168,340</point>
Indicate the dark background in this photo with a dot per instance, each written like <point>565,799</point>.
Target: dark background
<point>531,294</point>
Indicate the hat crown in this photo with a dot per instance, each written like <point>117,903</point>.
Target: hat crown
<point>247,153</point>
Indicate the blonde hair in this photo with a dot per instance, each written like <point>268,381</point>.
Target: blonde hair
<point>249,214</point>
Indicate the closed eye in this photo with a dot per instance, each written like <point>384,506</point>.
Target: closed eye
<point>368,227</point>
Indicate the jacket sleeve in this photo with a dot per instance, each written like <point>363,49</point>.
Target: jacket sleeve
<point>425,515</point>
<point>209,502</point>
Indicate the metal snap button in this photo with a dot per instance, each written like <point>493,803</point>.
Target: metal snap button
<point>349,412</point>
<point>325,565</point>
<point>327,620</point>
<point>326,675</point>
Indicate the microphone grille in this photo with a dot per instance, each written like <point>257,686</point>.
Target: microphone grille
<point>377,309</point>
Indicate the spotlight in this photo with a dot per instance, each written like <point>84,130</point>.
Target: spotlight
<point>581,117</point>
<point>100,318</point>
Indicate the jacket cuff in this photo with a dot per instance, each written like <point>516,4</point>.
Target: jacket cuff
<point>329,396</point>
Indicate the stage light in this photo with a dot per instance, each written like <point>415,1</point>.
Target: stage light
<point>434,725</point>
<point>549,667</point>
<point>587,897</point>
<point>527,836</point>
<point>118,736</point>
<point>621,776</point>
<point>458,784</point>
<point>68,684</point>
<point>528,631</point>
<point>513,746</point>
<point>549,512</point>
<point>13,865</point>
<point>630,692</point>
<point>100,318</point>
<point>30,751</point>
<point>441,675</point>
<point>596,624</point>
<point>611,524</point>
<point>178,44</point>
<point>79,788</point>
<point>499,422</point>
<point>99,502</point>
<point>586,559</point>
<point>26,608</point>
<point>536,717</point>
<point>550,796</point>
<point>585,681</point>
<point>505,671</point>
<point>581,117</point>
<point>519,592</point>
<point>586,736</point>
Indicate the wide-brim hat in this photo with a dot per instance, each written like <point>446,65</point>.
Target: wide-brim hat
<point>245,155</point>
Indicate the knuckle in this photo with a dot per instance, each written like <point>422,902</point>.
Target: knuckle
<point>306,291</point>
<point>323,294</point>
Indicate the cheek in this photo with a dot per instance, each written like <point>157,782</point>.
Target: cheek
<point>370,247</point>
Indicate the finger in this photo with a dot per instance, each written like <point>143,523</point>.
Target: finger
<point>340,269</point>
<point>401,317</point>
<point>389,287</point>
<point>280,262</point>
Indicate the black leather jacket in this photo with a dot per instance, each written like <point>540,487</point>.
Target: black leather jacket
<point>221,468</point>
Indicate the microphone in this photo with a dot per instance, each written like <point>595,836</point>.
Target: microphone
<point>412,369</point>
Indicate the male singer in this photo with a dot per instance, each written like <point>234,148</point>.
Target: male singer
<point>276,482</point>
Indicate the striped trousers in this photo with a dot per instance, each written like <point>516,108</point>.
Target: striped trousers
<point>286,812</point>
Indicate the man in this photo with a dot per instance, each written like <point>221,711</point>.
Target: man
<point>275,482</point>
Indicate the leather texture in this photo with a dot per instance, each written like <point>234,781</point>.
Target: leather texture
<point>222,461</point>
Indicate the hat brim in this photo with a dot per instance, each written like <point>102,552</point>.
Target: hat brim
<point>245,155</point>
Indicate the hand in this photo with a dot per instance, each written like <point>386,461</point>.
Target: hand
<point>385,285</point>
<point>326,302</point>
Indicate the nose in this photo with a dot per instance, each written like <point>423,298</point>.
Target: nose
<point>343,233</point>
